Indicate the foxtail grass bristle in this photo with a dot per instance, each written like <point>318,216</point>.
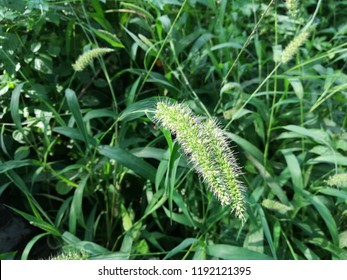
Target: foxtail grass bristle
<point>293,47</point>
<point>207,149</point>
<point>84,59</point>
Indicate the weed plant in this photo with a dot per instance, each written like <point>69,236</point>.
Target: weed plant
<point>85,157</point>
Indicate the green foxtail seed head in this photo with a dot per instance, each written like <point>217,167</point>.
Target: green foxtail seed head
<point>84,59</point>
<point>293,46</point>
<point>207,149</point>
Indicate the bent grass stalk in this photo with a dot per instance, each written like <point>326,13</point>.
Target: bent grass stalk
<point>207,149</point>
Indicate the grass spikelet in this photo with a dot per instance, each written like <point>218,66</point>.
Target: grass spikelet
<point>84,59</point>
<point>293,46</point>
<point>208,151</point>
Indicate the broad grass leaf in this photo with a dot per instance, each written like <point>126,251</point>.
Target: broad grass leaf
<point>4,187</point>
<point>305,250</point>
<point>37,222</point>
<point>14,106</point>
<point>297,86</point>
<point>336,251</point>
<point>326,216</point>
<point>91,225</point>
<point>138,109</point>
<point>161,170</point>
<point>75,134</point>
<point>76,211</point>
<point>156,202</point>
<point>30,245</point>
<point>336,159</point>
<point>18,181</point>
<point>12,164</point>
<point>75,109</point>
<point>200,42</point>
<point>108,37</point>
<point>178,218</point>
<point>63,210</point>
<point>89,247</point>
<point>180,248</point>
<point>270,181</point>
<point>334,192</point>
<point>267,231</point>
<point>229,252</point>
<point>110,256</point>
<point>22,153</point>
<point>296,175</point>
<point>254,240</point>
<point>99,113</point>
<point>149,152</point>
<point>138,165</point>
<point>200,251</point>
<point>178,199</point>
<point>248,147</point>
<point>316,135</point>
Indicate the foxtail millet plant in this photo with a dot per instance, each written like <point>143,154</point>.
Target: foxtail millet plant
<point>206,147</point>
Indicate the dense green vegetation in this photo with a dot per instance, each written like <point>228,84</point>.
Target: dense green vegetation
<point>83,159</point>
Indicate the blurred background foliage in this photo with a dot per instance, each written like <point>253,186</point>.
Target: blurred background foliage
<point>82,161</point>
